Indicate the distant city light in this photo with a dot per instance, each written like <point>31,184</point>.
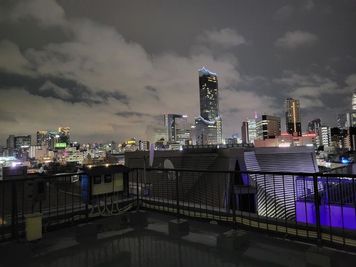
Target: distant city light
<point>345,161</point>
<point>284,145</point>
<point>15,164</point>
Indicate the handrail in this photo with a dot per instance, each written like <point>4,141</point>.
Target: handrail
<point>251,172</point>
<point>304,174</point>
<point>40,176</point>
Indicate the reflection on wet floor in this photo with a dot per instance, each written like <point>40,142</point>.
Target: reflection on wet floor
<point>153,246</point>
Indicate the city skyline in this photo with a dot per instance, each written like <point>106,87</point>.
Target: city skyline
<point>107,75</point>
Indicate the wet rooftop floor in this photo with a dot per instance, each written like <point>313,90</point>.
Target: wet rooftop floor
<point>153,246</point>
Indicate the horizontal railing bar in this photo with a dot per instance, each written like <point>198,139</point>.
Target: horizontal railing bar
<point>303,174</point>
<point>251,172</point>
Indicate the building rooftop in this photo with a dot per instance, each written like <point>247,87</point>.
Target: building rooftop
<point>204,71</point>
<point>153,246</point>
<point>93,218</point>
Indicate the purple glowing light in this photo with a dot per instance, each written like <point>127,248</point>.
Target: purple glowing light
<point>330,215</point>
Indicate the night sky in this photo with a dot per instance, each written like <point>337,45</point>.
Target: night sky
<point>109,68</point>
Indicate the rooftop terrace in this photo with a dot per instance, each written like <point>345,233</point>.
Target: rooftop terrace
<point>233,217</point>
<point>153,246</point>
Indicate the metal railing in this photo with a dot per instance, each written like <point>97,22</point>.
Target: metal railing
<point>59,199</point>
<point>313,207</point>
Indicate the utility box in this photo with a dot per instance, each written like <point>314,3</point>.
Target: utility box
<point>104,180</point>
<point>33,226</point>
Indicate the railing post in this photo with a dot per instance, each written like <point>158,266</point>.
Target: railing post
<point>177,193</point>
<point>317,208</point>
<point>234,209</point>
<point>14,228</point>
<point>233,199</point>
<point>137,192</point>
<point>87,197</point>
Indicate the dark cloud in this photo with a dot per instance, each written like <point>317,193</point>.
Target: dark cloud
<point>53,87</point>
<point>151,89</point>
<point>153,92</point>
<point>114,95</point>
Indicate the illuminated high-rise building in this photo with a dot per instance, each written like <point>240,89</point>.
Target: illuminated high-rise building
<point>354,100</point>
<point>64,130</point>
<point>324,135</point>
<point>41,138</point>
<point>22,146</point>
<point>209,124</point>
<point>64,135</point>
<point>251,130</point>
<point>177,127</point>
<point>268,127</point>
<point>293,122</point>
<point>22,141</point>
<point>205,132</point>
<point>209,99</point>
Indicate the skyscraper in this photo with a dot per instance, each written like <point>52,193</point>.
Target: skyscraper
<point>10,142</point>
<point>268,127</point>
<point>342,120</point>
<point>314,126</point>
<point>42,138</point>
<point>178,129</point>
<point>208,91</point>
<point>354,100</point>
<point>22,141</point>
<point>293,123</point>
<point>252,129</point>
<point>244,132</point>
<point>22,146</point>
<point>324,135</point>
<point>170,124</point>
<point>209,124</point>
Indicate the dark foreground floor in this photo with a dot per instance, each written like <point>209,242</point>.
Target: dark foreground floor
<point>153,246</point>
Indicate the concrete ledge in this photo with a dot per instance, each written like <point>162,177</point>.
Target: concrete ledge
<point>316,256</point>
<point>233,240</point>
<point>178,228</point>
<point>86,233</point>
<point>138,219</point>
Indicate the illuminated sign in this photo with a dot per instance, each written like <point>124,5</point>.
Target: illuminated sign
<point>60,145</point>
<point>131,142</point>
